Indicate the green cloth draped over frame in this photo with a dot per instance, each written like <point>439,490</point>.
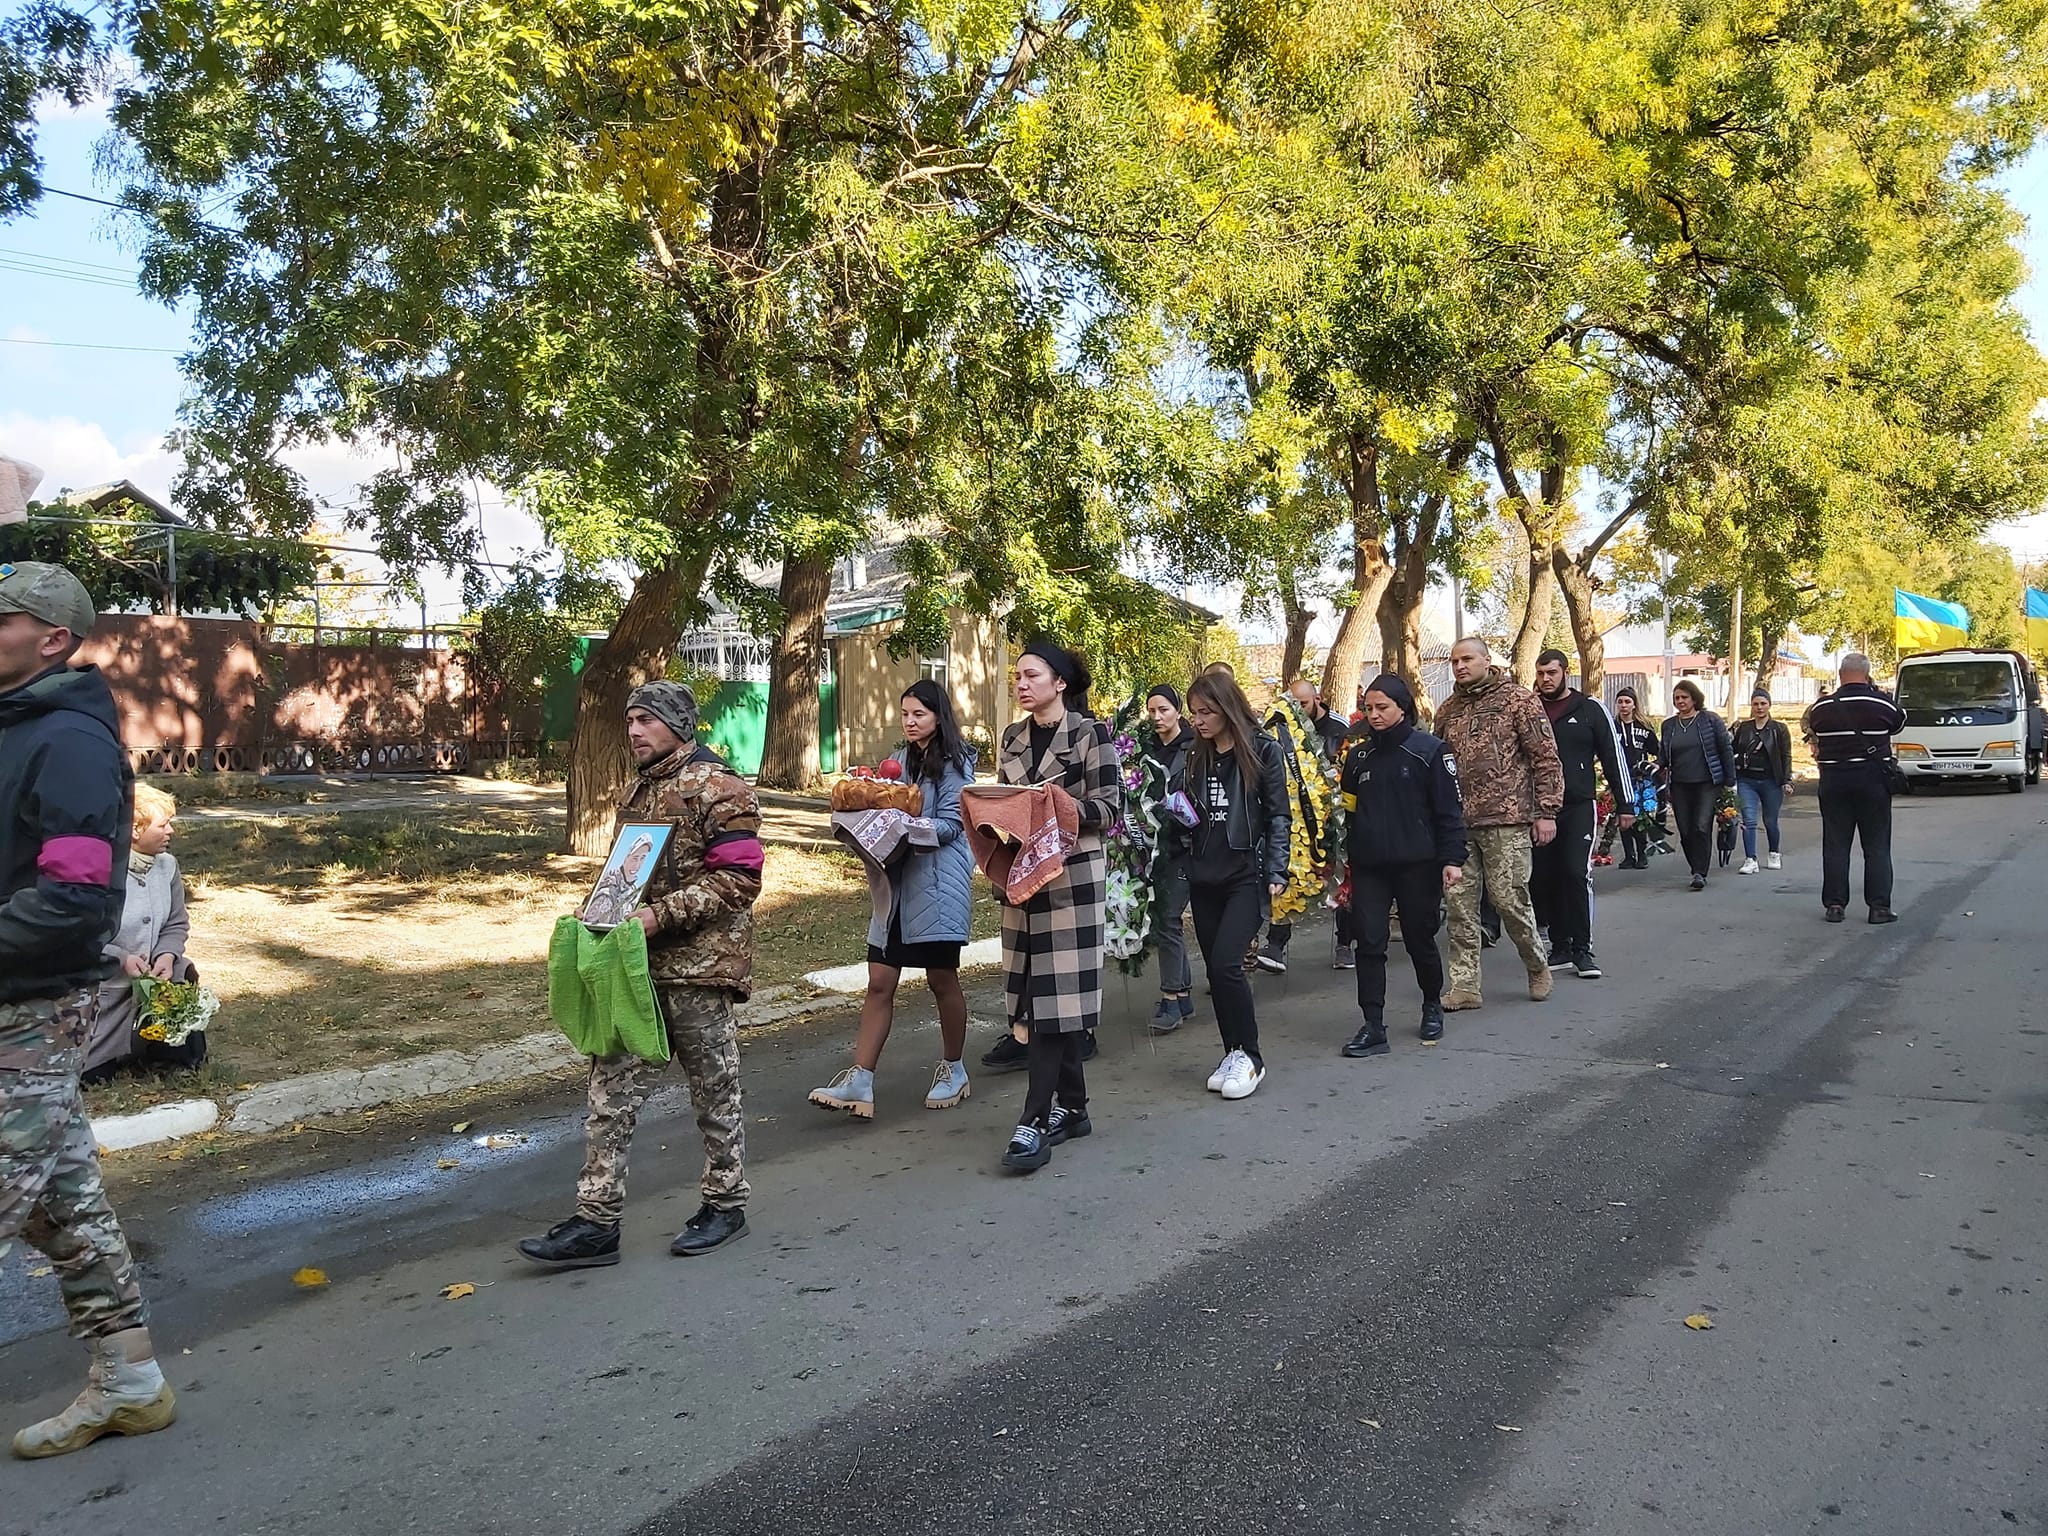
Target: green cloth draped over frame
<point>599,993</point>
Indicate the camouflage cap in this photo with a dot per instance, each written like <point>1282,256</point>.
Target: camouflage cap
<point>49,593</point>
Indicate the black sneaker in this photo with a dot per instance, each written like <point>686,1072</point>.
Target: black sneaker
<point>1371,1040</point>
<point>574,1244</point>
<point>1699,882</point>
<point>1835,914</point>
<point>1432,1022</point>
<point>1584,965</point>
<point>1883,915</point>
<point>1009,1054</point>
<point>1560,959</point>
<point>1489,933</point>
<point>1064,1125</point>
<point>1027,1151</point>
<point>1088,1046</point>
<point>710,1228</point>
<point>1271,957</point>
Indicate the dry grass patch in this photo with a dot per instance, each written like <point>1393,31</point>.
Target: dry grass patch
<point>346,940</point>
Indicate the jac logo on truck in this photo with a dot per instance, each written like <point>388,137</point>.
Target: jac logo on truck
<point>1955,720</point>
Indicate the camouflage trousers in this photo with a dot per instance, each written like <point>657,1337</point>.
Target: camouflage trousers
<point>1497,865</point>
<point>50,1189</point>
<point>703,1034</point>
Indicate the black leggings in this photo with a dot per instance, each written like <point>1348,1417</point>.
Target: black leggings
<point>1226,917</point>
<point>1054,1062</point>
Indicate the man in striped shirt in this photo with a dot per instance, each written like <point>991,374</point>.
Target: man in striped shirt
<point>1852,730</point>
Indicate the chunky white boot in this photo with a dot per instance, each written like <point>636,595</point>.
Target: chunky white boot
<point>126,1394</point>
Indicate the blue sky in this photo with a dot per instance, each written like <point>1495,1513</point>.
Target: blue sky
<point>87,415</point>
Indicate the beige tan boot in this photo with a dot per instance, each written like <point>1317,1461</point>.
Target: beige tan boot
<point>1458,1000</point>
<point>1539,984</point>
<point>126,1394</point>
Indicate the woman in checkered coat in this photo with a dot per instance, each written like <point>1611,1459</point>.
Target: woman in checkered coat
<point>1052,944</point>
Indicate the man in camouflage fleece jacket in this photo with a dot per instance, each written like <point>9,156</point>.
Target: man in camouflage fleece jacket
<point>698,914</point>
<point>1513,783</point>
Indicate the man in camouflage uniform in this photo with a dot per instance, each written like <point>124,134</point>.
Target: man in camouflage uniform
<point>1513,783</point>
<point>699,918</point>
<point>65,816</point>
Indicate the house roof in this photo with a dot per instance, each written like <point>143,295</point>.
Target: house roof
<point>97,498</point>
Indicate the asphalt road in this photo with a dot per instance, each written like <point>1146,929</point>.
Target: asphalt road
<point>1439,1291</point>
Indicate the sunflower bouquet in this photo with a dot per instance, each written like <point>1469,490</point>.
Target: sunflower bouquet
<point>1312,809</point>
<point>170,1012</point>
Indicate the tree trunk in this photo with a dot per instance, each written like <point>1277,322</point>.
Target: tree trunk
<point>1370,571</point>
<point>789,755</point>
<point>1541,599</point>
<point>636,651</point>
<point>1767,663</point>
<point>1299,619</point>
<point>1577,585</point>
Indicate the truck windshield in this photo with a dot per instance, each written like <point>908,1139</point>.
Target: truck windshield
<point>1980,688</point>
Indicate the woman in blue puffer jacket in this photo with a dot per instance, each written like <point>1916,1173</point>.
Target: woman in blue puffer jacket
<point>931,897</point>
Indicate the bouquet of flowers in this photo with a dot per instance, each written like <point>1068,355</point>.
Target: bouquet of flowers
<point>171,1011</point>
<point>1315,851</point>
<point>1132,845</point>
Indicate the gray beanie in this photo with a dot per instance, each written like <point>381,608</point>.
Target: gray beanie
<point>671,703</point>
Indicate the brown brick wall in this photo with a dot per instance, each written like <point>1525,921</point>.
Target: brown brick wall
<point>214,693</point>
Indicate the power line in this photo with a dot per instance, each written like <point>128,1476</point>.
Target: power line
<point>89,346</point>
<point>82,198</point>
<point>33,269</point>
<point>70,261</point>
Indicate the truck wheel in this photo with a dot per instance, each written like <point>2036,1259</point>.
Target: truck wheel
<point>2015,783</point>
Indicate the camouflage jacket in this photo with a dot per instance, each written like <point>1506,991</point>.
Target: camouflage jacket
<point>1506,755</point>
<point>704,888</point>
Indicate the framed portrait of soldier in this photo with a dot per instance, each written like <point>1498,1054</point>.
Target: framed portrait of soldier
<point>622,884</point>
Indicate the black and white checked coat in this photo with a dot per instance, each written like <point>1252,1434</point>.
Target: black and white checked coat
<point>1052,944</point>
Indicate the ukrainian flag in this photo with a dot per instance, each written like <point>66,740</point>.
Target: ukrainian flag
<point>1927,623</point>
<point>2036,610</point>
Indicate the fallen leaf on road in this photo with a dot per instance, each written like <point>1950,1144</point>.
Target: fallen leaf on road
<point>473,993</point>
<point>1509,1429</point>
<point>1699,1322</point>
<point>457,1292</point>
<point>39,1272</point>
<point>449,1162</point>
<point>1370,1423</point>
<point>1662,1065</point>
<point>501,1141</point>
<point>309,1279</point>
<point>1619,1204</point>
<point>459,1127</point>
<point>1926,1175</point>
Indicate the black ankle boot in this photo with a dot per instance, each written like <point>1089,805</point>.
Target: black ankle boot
<point>574,1244</point>
<point>1371,1039</point>
<point>710,1228</point>
<point>1432,1022</point>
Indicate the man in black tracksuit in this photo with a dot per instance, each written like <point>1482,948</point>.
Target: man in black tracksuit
<point>1560,878</point>
<point>1407,845</point>
<point>1852,730</point>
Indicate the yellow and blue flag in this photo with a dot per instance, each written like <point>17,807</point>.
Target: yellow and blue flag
<point>1927,623</point>
<point>2036,610</point>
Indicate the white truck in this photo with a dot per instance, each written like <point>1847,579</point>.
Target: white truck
<point>1969,715</point>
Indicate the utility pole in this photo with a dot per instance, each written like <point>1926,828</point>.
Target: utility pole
<point>1664,581</point>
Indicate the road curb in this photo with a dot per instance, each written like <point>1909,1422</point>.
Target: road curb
<point>273,1106</point>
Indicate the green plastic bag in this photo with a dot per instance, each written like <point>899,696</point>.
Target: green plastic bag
<point>599,992</point>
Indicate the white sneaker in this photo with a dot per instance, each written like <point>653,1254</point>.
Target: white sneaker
<point>1774,862</point>
<point>1749,866</point>
<point>1244,1081</point>
<point>1225,1068</point>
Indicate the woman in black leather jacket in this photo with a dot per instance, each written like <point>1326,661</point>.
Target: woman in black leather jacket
<point>1235,856</point>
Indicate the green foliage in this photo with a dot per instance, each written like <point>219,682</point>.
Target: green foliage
<point>526,633</point>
